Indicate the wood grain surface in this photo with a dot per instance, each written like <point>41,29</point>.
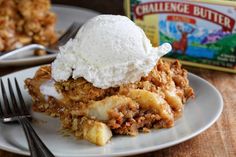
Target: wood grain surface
<point>218,141</point>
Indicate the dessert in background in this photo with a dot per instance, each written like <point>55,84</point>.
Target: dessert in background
<point>109,80</point>
<point>26,21</point>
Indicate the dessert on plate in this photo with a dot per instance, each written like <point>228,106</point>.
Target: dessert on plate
<point>26,21</point>
<point>109,80</point>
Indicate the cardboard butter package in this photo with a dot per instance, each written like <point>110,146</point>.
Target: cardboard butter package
<point>202,32</point>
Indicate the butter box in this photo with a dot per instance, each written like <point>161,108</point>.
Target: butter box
<point>202,32</point>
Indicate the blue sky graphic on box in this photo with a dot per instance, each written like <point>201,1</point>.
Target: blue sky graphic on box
<point>201,36</point>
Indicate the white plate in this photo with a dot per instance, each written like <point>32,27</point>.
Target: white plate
<point>66,15</point>
<point>199,114</point>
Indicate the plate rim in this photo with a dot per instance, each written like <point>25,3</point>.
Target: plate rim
<point>142,150</point>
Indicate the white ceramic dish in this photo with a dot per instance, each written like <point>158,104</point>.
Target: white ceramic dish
<point>199,114</point>
<point>66,15</point>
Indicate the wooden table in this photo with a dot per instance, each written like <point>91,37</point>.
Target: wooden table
<point>218,141</point>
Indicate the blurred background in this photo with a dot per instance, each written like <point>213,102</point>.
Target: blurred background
<point>102,6</point>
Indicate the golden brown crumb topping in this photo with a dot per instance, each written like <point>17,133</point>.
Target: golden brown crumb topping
<point>83,91</point>
<point>26,21</point>
<point>153,102</point>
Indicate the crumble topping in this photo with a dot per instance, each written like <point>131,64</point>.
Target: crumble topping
<point>26,21</point>
<point>153,102</point>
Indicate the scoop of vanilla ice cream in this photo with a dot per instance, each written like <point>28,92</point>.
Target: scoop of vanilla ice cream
<point>108,51</point>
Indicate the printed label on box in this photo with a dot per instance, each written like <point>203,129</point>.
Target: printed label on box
<point>201,33</point>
